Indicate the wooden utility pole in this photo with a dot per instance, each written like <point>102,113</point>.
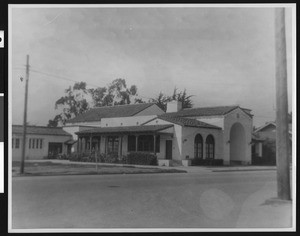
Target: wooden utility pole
<point>282,132</point>
<point>25,117</point>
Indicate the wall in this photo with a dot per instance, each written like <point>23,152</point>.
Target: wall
<point>72,129</point>
<point>37,153</point>
<point>268,132</point>
<point>189,134</point>
<point>92,123</point>
<point>126,121</point>
<point>217,121</point>
<point>246,121</point>
<point>176,139</point>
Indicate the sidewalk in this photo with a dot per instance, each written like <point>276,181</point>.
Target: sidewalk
<point>262,210</point>
<point>189,169</point>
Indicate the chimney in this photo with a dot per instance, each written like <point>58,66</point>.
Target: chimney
<point>174,106</point>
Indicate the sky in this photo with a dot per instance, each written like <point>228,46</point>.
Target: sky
<point>221,55</point>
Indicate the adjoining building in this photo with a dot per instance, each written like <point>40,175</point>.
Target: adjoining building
<point>267,134</point>
<point>223,132</point>
<point>40,142</point>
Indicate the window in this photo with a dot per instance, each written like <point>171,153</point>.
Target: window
<point>17,144</point>
<point>113,144</point>
<point>12,143</point>
<point>35,143</point>
<point>210,146</point>
<point>146,143</point>
<point>198,146</point>
<point>131,147</point>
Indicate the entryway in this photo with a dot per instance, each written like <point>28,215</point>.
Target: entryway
<point>169,149</point>
<point>237,144</point>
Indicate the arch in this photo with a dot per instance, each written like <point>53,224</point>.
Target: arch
<point>237,143</point>
<point>210,146</point>
<point>198,146</point>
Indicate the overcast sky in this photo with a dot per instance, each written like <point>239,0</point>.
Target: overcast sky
<point>222,56</point>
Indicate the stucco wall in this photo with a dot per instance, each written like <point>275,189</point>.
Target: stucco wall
<point>93,124</point>
<point>230,119</point>
<point>268,132</point>
<point>37,153</point>
<point>217,121</point>
<point>176,139</point>
<point>189,134</point>
<point>126,121</point>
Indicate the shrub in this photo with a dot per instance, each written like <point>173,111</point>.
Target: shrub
<point>108,158</point>
<point>140,158</point>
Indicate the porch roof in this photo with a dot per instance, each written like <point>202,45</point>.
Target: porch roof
<point>125,129</point>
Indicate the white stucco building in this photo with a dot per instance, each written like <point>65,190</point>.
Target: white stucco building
<point>222,132</point>
<point>40,142</point>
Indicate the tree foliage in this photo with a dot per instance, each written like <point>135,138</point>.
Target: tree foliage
<point>161,99</point>
<point>79,98</point>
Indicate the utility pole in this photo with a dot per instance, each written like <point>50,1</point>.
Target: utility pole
<point>25,117</point>
<point>282,135</point>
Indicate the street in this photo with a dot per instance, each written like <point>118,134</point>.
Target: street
<point>184,200</point>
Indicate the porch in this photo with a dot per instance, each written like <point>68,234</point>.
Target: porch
<point>120,141</point>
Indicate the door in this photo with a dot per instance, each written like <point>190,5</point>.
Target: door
<point>54,149</point>
<point>169,149</point>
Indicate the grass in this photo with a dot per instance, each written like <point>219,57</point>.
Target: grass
<point>48,168</point>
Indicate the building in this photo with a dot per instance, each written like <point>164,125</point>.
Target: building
<point>267,132</point>
<point>40,142</point>
<point>223,132</point>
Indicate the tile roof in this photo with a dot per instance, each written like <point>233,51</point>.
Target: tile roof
<point>39,130</point>
<point>125,129</point>
<point>206,111</point>
<point>96,114</point>
<point>271,123</point>
<point>187,122</point>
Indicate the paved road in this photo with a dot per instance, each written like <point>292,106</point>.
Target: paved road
<point>185,200</point>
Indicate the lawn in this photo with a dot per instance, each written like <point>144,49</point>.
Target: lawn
<point>48,168</point>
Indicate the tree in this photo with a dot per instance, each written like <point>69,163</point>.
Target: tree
<point>161,100</point>
<point>78,99</point>
<point>72,104</point>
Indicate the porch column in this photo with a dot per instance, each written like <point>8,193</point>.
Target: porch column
<point>91,139</point>
<point>136,142</point>
<point>78,144</point>
<point>120,146</point>
<point>154,144</point>
<point>83,144</point>
<point>105,144</point>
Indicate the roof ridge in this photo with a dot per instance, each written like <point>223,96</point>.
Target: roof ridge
<point>210,107</point>
<point>111,106</point>
<point>40,126</point>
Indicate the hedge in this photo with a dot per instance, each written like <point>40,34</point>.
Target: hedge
<point>141,158</point>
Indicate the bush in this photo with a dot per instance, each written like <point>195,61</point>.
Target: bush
<point>140,158</point>
<point>207,162</point>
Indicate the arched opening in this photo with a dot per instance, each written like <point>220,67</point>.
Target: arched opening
<point>237,143</point>
<point>210,146</point>
<point>198,146</point>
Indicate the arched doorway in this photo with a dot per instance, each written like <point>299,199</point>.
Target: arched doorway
<point>237,143</point>
<point>198,146</point>
<point>210,147</point>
